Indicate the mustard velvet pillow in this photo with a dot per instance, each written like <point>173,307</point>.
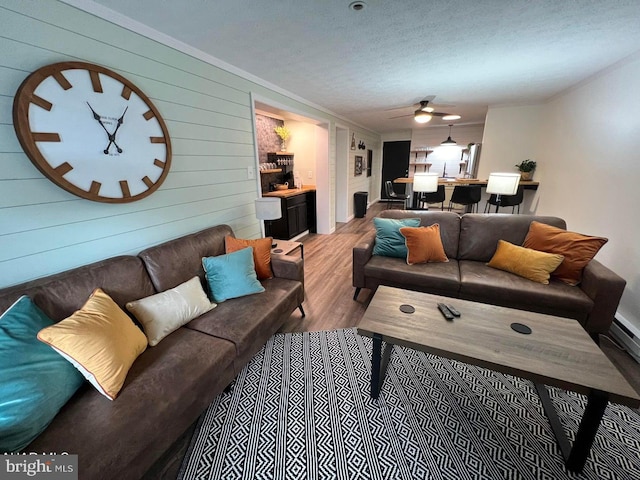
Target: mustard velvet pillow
<point>577,249</point>
<point>525,262</point>
<point>100,340</point>
<point>424,244</point>
<point>261,253</point>
<point>165,312</point>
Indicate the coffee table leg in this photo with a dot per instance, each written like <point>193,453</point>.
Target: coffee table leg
<point>376,357</point>
<point>576,456</point>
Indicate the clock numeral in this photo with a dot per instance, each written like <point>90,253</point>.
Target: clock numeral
<point>124,186</point>
<point>126,93</point>
<point>62,80</point>
<point>147,181</point>
<point>157,140</point>
<point>148,115</point>
<point>159,163</point>
<point>95,188</point>
<point>63,168</point>
<point>41,102</point>
<point>45,137</point>
<point>95,81</point>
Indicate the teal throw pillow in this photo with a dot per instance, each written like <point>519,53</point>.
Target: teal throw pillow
<point>35,380</point>
<point>389,240</point>
<point>232,275</point>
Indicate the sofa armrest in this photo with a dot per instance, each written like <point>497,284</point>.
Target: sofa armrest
<point>285,266</point>
<point>362,252</point>
<point>605,288</point>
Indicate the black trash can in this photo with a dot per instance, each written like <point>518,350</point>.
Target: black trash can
<point>360,204</point>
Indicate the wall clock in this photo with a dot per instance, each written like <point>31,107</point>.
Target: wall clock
<point>92,132</point>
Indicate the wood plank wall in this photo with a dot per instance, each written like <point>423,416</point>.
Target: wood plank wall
<point>44,229</point>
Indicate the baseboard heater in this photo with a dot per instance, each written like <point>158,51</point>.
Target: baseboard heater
<point>628,335</point>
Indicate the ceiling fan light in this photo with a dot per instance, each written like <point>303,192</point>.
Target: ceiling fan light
<point>451,117</point>
<point>427,109</point>
<point>422,117</point>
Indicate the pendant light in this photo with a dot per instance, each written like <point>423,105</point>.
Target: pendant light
<point>449,141</point>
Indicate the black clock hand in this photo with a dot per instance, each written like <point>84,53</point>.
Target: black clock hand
<point>120,122</point>
<point>97,117</point>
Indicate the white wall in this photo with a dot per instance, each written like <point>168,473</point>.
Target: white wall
<point>208,111</point>
<point>362,183</point>
<point>303,145</point>
<point>586,144</point>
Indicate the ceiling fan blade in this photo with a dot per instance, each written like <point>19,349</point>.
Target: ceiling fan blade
<point>401,116</point>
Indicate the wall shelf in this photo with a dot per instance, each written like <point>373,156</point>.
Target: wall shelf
<point>271,170</point>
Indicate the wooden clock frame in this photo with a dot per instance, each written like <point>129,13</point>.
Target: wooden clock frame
<point>25,96</point>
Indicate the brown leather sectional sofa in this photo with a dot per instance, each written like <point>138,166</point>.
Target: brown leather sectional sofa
<point>470,241</point>
<point>170,384</point>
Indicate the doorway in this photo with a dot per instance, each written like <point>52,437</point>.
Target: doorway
<point>395,164</point>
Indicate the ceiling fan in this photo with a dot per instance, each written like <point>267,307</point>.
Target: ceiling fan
<point>426,112</point>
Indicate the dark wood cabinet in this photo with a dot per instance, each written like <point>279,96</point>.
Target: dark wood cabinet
<point>298,215</point>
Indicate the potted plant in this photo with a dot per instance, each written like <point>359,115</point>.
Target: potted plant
<point>284,133</point>
<point>526,168</point>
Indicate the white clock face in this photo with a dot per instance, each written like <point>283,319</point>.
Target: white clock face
<point>95,135</point>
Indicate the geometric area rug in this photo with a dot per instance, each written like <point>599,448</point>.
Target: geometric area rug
<point>301,410</point>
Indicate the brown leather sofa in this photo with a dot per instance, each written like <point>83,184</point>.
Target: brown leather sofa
<point>171,384</point>
<point>470,241</point>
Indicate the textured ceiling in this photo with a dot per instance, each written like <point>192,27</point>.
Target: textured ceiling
<point>471,54</point>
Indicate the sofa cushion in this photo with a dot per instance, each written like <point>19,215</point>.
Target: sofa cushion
<point>577,249</point>
<point>249,321</point>
<point>436,278</point>
<point>59,295</point>
<point>525,262</point>
<point>424,244</point>
<point>35,382</point>
<point>165,312</point>
<point>232,275</point>
<point>479,233</point>
<point>481,283</point>
<point>100,340</point>
<point>174,262</point>
<point>449,225</point>
<point>389,241</point>
<point>261,253</point>
<point>166,389</point>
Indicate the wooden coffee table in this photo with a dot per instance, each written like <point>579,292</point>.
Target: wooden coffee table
<point>557,352</point>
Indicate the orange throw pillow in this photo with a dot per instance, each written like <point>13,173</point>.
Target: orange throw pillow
<point>261,253</point>
<point>577,249</point>
<point>424,244</point>
<point>525,262</point>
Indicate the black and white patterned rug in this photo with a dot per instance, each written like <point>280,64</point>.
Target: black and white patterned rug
<point>301,410</point>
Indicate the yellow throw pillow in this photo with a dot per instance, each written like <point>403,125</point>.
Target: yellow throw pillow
<point>424,244</point>
<point>100,340</point>
<point>261,253</point>
<point>577,249</point>
<point>525,262</point>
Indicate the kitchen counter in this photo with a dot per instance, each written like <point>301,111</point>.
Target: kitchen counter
<point>290,192</point>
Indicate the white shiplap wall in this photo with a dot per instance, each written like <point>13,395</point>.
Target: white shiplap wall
<point>44,229</point>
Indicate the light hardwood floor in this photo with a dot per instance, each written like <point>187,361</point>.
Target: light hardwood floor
<point>329,305</point>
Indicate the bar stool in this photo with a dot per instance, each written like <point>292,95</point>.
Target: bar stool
<point>434,197</point>
<point>512,201</point>
<point>467,195</point>
<point>392,195</point>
